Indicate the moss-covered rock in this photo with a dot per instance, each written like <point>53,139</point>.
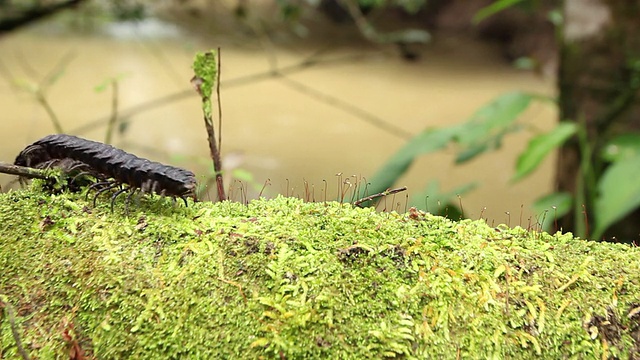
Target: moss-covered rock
<point>286,279</point>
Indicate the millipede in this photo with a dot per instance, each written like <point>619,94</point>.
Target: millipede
<point>112,167</point>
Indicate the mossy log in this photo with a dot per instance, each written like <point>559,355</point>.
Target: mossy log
<point>285,279</point>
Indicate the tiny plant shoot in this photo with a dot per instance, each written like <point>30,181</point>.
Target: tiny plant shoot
<point>206,68</point>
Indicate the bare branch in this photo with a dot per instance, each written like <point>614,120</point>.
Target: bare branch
<point>375,196</point>
<point>26,172</point>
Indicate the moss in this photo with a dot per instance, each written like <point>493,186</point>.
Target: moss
<point>286,279</point>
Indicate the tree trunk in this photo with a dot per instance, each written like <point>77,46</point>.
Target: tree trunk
<point>598,83</point>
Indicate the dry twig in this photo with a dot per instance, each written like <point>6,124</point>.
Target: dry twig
<point>375,196</point>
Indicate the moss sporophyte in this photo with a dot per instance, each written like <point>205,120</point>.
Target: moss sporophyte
<point>282,278</point>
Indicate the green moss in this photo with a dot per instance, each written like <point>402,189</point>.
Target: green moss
<point>286,279</point>
<point>205,68</point>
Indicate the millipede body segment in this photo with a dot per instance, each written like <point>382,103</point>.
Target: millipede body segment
<point>110,162</point>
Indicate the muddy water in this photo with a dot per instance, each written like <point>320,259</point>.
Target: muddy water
<point>273,128</point>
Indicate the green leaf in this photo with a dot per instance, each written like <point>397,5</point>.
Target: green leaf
<point>557,204</point>
<point>205,67</point>
<point>471,152</point>
<point>492,9</point>
<point>486,127</point>
<point>618,193</point>
<point>540,146</point>
<point>622,147</point>
<point>495,117</point>
<point>101,87</point>
<point>26,85</point>
<point>427,141</point>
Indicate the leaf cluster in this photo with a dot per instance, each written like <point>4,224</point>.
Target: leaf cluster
<point>615,194</point>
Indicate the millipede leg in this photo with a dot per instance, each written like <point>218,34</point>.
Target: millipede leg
<point>111,186</point>
<point>95,185</point>
<point>73,179</point>
<point>128,201</point>
<point>48,164</point>
<point>76,166</point>
<point>113,198</point>
<point>81,173</point>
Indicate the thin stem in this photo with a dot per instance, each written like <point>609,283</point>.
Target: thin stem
<point>219,101</point>
<point>347,107</point>
<point>14,329</point>
<point>240,81</point>
<point>206,66</point>
<point>585,187</point>
<point>217,162</point>
<point>114,112</point>
<point>42,100</point>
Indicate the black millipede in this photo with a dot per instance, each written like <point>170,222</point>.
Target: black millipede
<point>111,166</point>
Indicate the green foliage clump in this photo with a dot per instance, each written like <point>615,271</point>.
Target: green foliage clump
<point>286,279</point>
<point>600,188</point>
<point>205,68</point>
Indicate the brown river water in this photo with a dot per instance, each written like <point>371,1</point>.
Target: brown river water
<point>302,128</point>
